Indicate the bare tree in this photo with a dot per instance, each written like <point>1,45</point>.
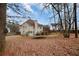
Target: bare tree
<point>18,8</point>
<point>65,15</point>
<point>57,6</point>
<point>65,9</point>
<point>75,19</point>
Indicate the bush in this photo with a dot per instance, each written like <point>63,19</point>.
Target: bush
<point>41,33</point>
<point>5,31</point>
<point>66,35</point>
<point>27,33</point>
<point>18,33</point>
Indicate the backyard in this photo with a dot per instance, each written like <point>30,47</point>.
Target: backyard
<point>53,44</point>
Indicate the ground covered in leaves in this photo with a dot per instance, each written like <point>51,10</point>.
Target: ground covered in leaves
<point>51,45</point>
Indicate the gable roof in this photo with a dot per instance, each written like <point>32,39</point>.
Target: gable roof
<point>55,24</point>
<point>31,22</point>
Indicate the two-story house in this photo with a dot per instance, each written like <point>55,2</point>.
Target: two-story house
<point>30,27</point>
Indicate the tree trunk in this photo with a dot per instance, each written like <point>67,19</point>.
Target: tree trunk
<point>65,15</point>
<point>60,18</point>
<point>75,19</point>
<point>69,20</point>
<point>2,26</point>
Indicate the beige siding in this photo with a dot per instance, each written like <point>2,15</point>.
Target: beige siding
<point>25,28</point>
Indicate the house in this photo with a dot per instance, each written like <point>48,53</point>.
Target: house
<point>46,29</point>
<point>30,27</point>
<point>55,26</point>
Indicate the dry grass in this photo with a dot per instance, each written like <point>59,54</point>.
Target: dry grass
<point>51,45</point>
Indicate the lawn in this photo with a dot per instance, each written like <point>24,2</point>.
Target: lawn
<point>50,46</point>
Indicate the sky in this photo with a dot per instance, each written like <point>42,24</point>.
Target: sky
<point>37,13</point>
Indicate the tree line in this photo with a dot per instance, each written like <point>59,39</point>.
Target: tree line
<point>67,16</point>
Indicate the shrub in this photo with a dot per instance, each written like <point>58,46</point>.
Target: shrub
<point>66,35</point>
<point>27,33</point>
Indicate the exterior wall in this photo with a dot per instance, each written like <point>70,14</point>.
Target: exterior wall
<point>55,27</point>
<point>8,29</point>
<point>36,27</point>
<point>27,29</point>
<point>40,29</point>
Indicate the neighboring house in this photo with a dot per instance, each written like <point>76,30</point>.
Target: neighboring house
<point>8,29</point>
<point>46,29</point>
<point>55,26</point>
<point>30,27</point>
